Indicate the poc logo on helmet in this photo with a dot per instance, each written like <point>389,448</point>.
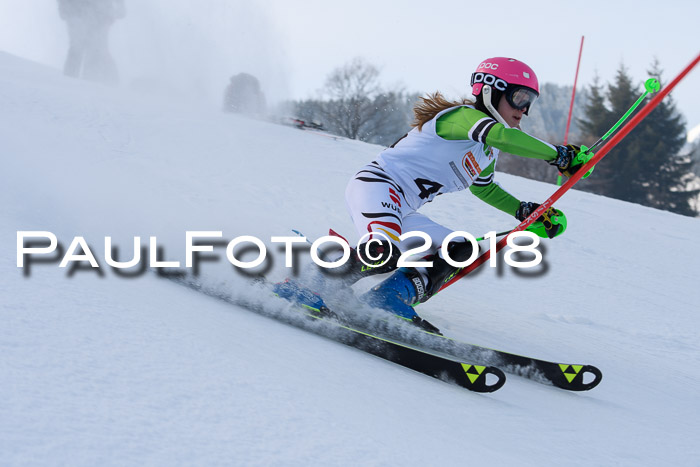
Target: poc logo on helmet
<point>491,80</point>
<point>492,66</point>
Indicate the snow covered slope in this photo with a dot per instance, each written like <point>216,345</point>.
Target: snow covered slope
<point>102,369</point>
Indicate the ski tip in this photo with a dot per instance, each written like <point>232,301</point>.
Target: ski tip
<point>481,378</point>
<point>578,377</point>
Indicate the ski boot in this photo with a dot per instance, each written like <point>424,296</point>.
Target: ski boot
<point>408,287</point>
<point>294,292</point>
<point>398,293</point>
<point>375,257</point>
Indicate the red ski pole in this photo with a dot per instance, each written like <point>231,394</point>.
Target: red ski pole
<point>571,105</point>
<point>573,93</point>
<point>651,105</point>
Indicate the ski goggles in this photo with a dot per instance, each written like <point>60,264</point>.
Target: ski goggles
<point>520,97</point>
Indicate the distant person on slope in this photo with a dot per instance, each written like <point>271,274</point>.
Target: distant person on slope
<point>453,146</point>
<point>88,24</point>
<point>243,95</point>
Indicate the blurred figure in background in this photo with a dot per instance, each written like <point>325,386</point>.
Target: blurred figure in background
<point>88,24</point>
<point>243,95</point>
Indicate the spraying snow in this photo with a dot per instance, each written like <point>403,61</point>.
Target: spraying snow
<point>116,370</point>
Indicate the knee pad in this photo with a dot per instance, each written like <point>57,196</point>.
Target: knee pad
<point>459,251</point>
<point>373,253</point>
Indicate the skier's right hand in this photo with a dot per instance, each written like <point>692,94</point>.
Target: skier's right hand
<point>526,208</point>
<point>548,219</point>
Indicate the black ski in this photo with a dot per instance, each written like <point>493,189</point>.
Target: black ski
<point>432,363</point>
<point>443,367</point>
<point>571,377</point>
<point>568,376</point>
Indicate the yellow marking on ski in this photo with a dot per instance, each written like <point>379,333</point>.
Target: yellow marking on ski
<point>473,377</point>
<point>567,373</point>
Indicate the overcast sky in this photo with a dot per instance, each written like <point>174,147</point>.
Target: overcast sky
<point>421,45</point>
<point>431,45</point>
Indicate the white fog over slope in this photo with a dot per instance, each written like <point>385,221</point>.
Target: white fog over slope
<point>105,369</point>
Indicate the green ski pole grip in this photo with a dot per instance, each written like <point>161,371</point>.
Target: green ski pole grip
<point>583,157</point>
<point>652,85</point>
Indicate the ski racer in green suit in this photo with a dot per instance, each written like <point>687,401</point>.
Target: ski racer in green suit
<point>453,146</point>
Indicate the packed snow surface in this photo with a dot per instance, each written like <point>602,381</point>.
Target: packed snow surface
<point>96,368</point>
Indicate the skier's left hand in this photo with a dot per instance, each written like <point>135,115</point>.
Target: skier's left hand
<point>565,159</point>
<point>550,224</point>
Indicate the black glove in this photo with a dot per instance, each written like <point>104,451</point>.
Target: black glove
<point>550,227</point>
<point>565,159</point>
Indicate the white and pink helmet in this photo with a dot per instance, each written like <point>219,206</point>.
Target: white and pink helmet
<point>510,76</point>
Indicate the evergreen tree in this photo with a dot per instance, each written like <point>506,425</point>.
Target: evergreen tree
<point>630,164</point>
<point>663,136</point>
<point>598,119</point>
<point>597,112</point>
<point>646,167</point>
<point>695,156</point>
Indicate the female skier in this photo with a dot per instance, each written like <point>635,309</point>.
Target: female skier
<point>453,146</point>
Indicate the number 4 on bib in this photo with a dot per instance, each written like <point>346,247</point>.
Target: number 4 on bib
<point>427,187</point>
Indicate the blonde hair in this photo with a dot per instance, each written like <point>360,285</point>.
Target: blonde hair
<point>428,107</point>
